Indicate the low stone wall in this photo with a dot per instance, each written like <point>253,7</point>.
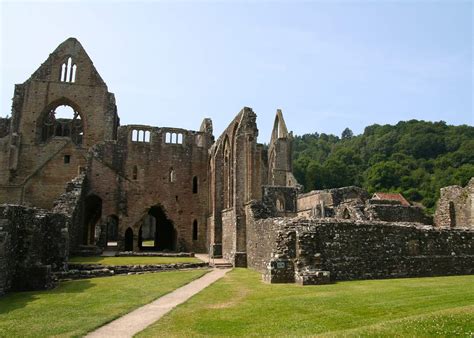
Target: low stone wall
<point>154,254</point>
<point>367,250</point>
<point>396,213</point>
<point>347,250</point>
<point>81,271</point>
<point>33,243</point>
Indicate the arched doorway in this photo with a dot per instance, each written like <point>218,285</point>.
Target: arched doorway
<point>128,240</point>
<point>92,215</point>
<point>157,231</point>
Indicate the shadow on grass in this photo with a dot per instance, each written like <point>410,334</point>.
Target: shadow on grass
<point>19,299</point>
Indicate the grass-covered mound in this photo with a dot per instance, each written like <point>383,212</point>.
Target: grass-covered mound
<point>77,307</point>
<point>241,305</point>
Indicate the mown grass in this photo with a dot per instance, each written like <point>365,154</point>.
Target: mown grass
<point>241,305</point>
<point>77,307</point>
<point>134,260</point>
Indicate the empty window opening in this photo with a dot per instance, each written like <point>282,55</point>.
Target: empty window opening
<point>62,121</point>
<point>141,135</point>
<point>346,214</point>
<point>280,204</point>
<point>73,76</point>
<point>112,230</point>
<point>68,71</point>
<point>135,172</point>
<point>67,159</point>
<point>452,215</point>
<point>174,138</point>
<point>195,230</point>
<point>195,185</point>
<point>172,176</point>
<point>128,240</point>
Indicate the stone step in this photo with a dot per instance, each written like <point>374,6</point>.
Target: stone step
<point>221,265</point>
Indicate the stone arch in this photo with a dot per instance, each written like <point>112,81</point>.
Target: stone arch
<point>158,230</point>
<point>128,240</point>
<point>51,125</point>
<point>92,216</point>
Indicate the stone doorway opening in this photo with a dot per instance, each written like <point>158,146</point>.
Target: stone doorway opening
<point>92,215</point>
<point>157,232</point>
<point>128,240</point>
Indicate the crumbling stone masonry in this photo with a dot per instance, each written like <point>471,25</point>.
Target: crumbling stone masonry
<point>139,188</point>
<point>455,207</point>
<point>33,244</point>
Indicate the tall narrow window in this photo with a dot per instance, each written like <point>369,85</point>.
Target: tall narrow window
<point>172,177</point>
<point>63,73</point>
<point>179,140</point>
<point>135,172</point>
<point>195,230</point>
<point>452,215</point>
<point>195,185</point>
<point>73,76</point>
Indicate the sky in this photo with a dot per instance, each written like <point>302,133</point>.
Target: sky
<point>327,64</point>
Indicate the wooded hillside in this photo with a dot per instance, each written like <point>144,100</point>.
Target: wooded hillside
<point>415,158</point>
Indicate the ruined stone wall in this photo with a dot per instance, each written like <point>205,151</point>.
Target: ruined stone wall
<point>382,250</point>
<point>132,176</point>
<point>71,204</point>
<point>235,181</point>
<point>360,250</point>
<point>307,203</point>
<point>396,213</point>
<point>33,243</point>
<point>4,126</point>
<point>455,207</point>
<point>262,236</point>
<point>280,200</point>
<point>38,169</point>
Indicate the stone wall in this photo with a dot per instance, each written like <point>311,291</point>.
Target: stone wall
<point>358,250</point>
<point>35,167</point>
<point>4,126</point>
<point>33,244</point>
<point>262,235</point>
<point>455,207</point>
<point>395,213</point>
<point>71,204</point>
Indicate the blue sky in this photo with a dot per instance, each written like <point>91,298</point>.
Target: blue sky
<point>328,65</point>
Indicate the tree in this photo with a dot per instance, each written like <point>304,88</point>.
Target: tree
<point>347,133</point>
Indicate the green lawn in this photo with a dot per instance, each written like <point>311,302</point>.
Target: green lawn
<point>241,305</point>
<point>77,307</point>
<point>134,260</point>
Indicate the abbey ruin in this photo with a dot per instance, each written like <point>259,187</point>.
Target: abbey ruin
<point>82,183</point>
